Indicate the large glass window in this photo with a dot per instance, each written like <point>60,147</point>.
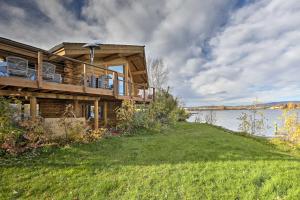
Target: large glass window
<point>120,69</point>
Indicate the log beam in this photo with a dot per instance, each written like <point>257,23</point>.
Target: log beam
<point>116,85</point>
<point>126,79</point>
<point>134,56</point>
<point>105,113</point>
<point>139,72</point>
<point>96,114</point>
<point>46,95</point>
<point>33,112</point>
<point>40,69</point>
<point>112,57</point>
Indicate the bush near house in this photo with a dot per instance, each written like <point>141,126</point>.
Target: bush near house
<point>19,135</point>
<point>163,112</point>
<point>9,131</point>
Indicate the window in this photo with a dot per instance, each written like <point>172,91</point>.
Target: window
<point>119,69</point>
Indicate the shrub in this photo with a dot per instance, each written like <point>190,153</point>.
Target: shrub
<point>28,135</point>
<point>159,114</point>
<point>93,135</point>
<point>183,115</point>
<point>17,136</point>
<point>10,133</point>
<point>210,117</point>
<point>140,118</point>
<point>8,121</point>
<point>34,132</point>
<point>12,141</point>
<point>253,122</point>
<point>74,131</point>
<point>290,130</point>
<point>166,109</point>
<point>125,116</point>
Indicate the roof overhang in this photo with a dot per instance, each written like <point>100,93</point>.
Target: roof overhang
<point>134,54</point>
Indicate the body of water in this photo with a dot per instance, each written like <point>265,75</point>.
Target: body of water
<point>229,119</point>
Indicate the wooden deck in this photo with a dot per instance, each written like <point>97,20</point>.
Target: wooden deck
<point>16,86</point>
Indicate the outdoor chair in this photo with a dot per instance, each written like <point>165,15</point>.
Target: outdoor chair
<point>57,78</point>
<point>3,69</point>
<point>49,74</point>
<point>103,81</point>
<point>48,71</point>
<point>17,66</point>
<point>92,81</point>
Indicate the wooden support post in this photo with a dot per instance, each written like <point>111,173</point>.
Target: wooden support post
<point>84,78</point>
<point>40,69</point>
<point>126,79</point>
<point>105,113</point>
<point>153,94</point>
<point>77,108</point>
<point>106,67</point>
<point>129,88</point>
<point>33,108</point>
<point>116,85</point>
<point>96,114</point>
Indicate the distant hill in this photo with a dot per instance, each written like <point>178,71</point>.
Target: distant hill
<point>271,105</point>
<point>280,103</point>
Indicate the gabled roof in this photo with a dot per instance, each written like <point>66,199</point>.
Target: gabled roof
<point>109,52</point>
<point>80,44</point>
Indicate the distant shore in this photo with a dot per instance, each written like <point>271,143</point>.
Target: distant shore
<point>273,106</point>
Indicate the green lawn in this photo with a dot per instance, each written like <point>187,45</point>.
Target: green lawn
<point>190,161</point>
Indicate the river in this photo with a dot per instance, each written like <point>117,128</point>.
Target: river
<point>229,119</point>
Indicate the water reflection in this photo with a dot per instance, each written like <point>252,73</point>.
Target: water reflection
<point>229,119</point>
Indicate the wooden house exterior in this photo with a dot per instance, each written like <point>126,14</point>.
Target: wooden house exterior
<point>50,80</point>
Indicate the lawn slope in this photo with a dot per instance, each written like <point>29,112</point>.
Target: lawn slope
<point>190,161</point>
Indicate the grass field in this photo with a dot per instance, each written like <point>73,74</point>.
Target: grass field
<point>189,161</point>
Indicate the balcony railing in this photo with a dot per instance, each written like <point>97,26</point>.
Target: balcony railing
<point>54,72</point>
<point>135,91</point>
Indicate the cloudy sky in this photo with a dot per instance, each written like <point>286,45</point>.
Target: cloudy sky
<point>217,51</point>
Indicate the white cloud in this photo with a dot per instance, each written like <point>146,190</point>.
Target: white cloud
<point>15,11</point>
<point>255,55</point>
<point>216,54</point>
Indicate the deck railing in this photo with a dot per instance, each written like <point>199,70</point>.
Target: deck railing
<point>69,71</point>
<point>136,90</point>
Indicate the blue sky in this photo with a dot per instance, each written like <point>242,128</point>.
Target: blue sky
<point>218,52</point>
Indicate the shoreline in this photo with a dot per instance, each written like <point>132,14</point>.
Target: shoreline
<point>219,109</point>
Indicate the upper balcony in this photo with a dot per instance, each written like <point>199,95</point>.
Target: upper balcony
<point>27,70</point>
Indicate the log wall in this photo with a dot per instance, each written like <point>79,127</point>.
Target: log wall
<point>52,108</point>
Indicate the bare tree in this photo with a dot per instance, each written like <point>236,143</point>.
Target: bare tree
<point>157,73</point>
<point>211,117</point>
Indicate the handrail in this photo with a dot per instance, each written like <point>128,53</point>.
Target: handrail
<point>143,88</point>
<point>93,65</point>
<point>82,62</point>
<point>127,82</point>
<point>78,61</point>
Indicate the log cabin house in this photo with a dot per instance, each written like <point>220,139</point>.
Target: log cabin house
<point>47,81</point>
